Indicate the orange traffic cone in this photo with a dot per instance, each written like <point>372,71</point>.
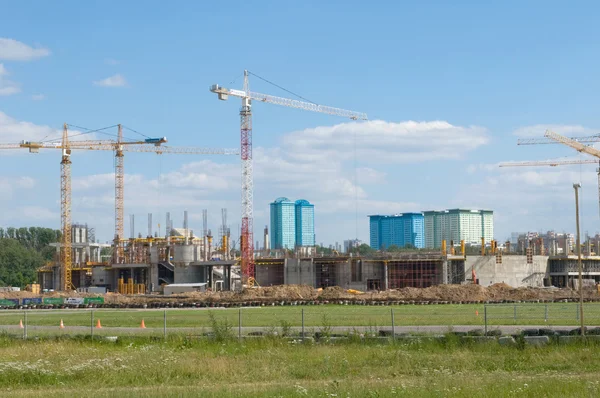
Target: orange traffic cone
<point>476,313</point>
<point>21,323</point>
<point>143,325</point>
<point>98,325</point>
<point>62,325</point>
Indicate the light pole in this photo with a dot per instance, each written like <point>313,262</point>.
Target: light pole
<point>579,266</point>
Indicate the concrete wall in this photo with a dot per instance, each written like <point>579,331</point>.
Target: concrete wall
<point>513,271</point>
<point>299,272</point>
<point>189,274</point>
<point>269,275</point>
<point>101,276</point>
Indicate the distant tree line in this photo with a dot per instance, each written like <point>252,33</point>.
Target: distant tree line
<point>23,251</point>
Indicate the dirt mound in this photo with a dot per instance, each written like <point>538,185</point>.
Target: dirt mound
<point>469,292</point>
<point>334,292</point>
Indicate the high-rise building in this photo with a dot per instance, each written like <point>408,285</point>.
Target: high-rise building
<point>456,225</point>
<point>351,244</point>
<point>399,230</point>
<point>283,224</point>
<point>292,224</point>
<point>305,223</point>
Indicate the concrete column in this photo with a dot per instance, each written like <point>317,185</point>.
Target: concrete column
<point>227,277</point>
<point>385,276</point>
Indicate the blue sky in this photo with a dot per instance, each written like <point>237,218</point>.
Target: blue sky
<point>448,87</point>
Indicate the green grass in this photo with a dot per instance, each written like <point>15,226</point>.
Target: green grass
<point>276,368</point>
<point>555,314</point>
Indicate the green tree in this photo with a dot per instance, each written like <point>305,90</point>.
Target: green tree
<point>18,265</point>
<point>363,250</point>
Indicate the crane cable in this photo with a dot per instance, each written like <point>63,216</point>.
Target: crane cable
<point>355,149</point>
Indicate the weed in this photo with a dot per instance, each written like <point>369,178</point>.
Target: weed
<point>221,329</point>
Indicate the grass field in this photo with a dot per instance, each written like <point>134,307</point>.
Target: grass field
<point>276,368</point>
<point>556,314</point>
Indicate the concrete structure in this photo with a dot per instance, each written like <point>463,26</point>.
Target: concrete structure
<point>515,271</point>
<point>283,224</point>
<point>398,230</point>
<point>85,250</point>
<point>305,223</point>
<point>177,288</point>
<point>458,224</point>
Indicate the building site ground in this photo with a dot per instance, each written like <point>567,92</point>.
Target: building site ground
<point>181,367</point>
<point>304,294</point>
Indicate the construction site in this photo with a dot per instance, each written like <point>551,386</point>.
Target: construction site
<point>178,261</point>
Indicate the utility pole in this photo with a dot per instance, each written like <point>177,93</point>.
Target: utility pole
<point>579,266</point>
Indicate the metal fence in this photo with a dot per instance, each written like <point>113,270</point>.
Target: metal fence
<point>297,320</point>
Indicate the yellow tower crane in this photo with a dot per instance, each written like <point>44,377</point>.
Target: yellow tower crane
<point>152,145</point>
<point>576,143</point>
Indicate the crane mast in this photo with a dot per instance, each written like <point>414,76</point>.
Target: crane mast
<point>65,207</point>
<point>247,238</point>
<point>119,196</point>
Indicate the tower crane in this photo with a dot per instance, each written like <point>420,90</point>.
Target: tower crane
<point>572,143</point>
<point>540,141</point>
<point>554,163</point>
<point>119,146</point>
<point>247,233</point>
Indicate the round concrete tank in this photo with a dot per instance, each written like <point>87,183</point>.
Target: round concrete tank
<point>183,254</point>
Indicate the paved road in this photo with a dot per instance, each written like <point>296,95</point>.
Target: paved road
<point>431,329</point>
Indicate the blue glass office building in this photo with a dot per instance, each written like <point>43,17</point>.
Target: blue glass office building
<point>283,224</point>
<point>292,223</point>
<point>398,230</point>
<point>305,223</point>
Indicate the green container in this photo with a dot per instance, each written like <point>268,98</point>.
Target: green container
<point>9,302</point>
<point>93,300</point>
<point>53,300</point>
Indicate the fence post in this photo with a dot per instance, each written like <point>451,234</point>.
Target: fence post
<point>515,315</point>
<point>546,314</point>
<point>485,328</point>
<point>25,326</point>
<point>240,325</point>
<point>393,325</point>
<point>92,323</point>
<point>303,325</point>
<point>165,325</point>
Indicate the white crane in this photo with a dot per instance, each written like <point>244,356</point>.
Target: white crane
<point>554,163</point>
<point>542,141</point>
<point>247,236</point>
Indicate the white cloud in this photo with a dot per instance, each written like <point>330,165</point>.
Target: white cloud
<point>380,141</point>
<point>538,130</point>
<point>38,97</point>
<point>112,81</point>
<point>8,186</point>
<point>14,131</point>
<point>13,50</point>
<point>322,172</point>
<point>532,199</point>
<point>7,87</point>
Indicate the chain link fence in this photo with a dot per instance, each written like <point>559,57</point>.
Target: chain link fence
<point>296,321</point>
